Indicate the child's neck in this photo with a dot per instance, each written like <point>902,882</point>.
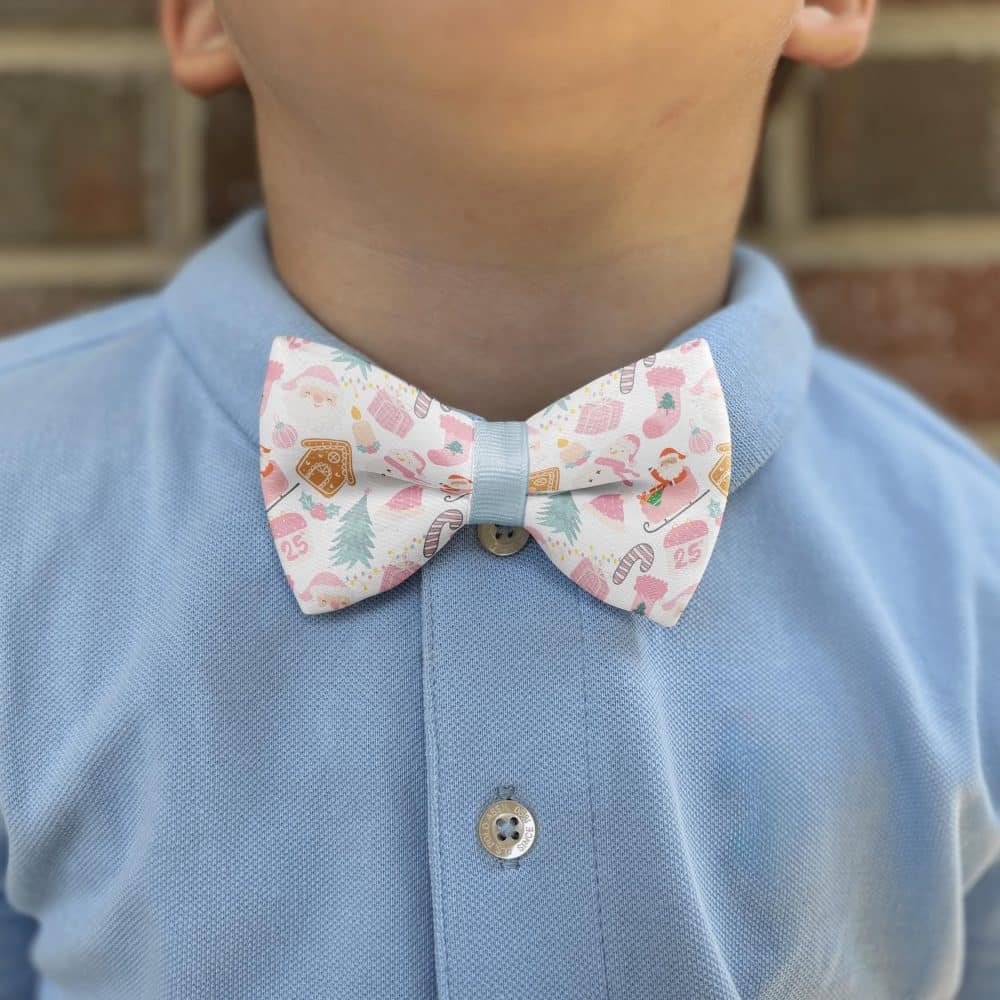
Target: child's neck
<point>499,298</point>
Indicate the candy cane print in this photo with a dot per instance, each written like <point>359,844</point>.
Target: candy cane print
<point>452,517</point>
<point>627,380</point>
<point>641,553</point>
<point>422,404</point>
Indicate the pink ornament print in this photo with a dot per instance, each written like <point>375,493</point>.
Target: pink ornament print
<point>284,435</point>
<point>700,440</point>
<point>365,477</point>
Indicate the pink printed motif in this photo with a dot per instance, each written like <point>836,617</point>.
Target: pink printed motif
<point>316,383</point>
<point>458,437</point>
<point>405,502</point>
<point>365,477</point>
<point>619,458</point>
<point>588,576</point>
<point>597,418</point>
<point>675,489</point>
<point>390,414</point>
<point>665,381</point>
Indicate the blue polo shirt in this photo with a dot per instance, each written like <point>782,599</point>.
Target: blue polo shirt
<point>205,792</point>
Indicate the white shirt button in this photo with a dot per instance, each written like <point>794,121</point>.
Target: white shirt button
<point>500,539</point>
<point>507,829</point>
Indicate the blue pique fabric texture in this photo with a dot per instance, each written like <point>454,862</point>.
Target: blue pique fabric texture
<point>205,793</point>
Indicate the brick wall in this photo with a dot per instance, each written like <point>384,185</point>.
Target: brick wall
<point>878,186</point>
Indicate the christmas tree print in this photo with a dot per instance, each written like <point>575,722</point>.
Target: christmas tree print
<point>354,539</point>
<point>561,515</point>
<point>352,360</point>
<point>562,402</point>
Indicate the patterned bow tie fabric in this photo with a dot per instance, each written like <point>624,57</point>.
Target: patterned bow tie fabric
<point>365,477</point>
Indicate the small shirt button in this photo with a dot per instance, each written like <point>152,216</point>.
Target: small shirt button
<point>507,828</point>
<point>501,539</point>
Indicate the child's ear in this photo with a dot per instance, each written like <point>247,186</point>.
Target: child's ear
<point>201,56</point>
<point>830,33</point>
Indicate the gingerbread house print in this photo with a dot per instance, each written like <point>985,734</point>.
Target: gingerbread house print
<point>544,480</point>
<point>326,464</point>
<point>720,472</point>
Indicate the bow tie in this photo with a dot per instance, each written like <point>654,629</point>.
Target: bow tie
<point>622,482</point>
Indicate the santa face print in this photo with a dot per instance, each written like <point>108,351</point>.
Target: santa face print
<point>319,397</point>
<point>670,467</point>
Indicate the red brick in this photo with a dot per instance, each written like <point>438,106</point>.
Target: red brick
<point>932,328</point>
<point>898,136</point>
<point>72,167</point>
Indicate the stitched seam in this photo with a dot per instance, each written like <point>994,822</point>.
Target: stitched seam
<point>432,688</point>
<point>590,798</point>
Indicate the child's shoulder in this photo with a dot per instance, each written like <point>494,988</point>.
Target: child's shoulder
<point>70,374</point>
<point>879,419</point>
<point>74,391</point>
<point>69,345</point>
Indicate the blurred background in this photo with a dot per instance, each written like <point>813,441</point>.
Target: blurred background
<point>878,186</point>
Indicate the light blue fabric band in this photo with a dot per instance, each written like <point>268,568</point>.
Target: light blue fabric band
<point>499,472</point>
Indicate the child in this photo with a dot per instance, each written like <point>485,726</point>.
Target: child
<point>471,579</point>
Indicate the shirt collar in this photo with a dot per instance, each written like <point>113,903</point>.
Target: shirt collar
<point>227,304</point>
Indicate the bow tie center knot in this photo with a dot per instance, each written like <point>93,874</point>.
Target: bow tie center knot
<point>500,470</point>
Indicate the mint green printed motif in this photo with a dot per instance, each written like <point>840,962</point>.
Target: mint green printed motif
<point>560,514</point>
<point>355,541</point>
<point>351,360</point>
